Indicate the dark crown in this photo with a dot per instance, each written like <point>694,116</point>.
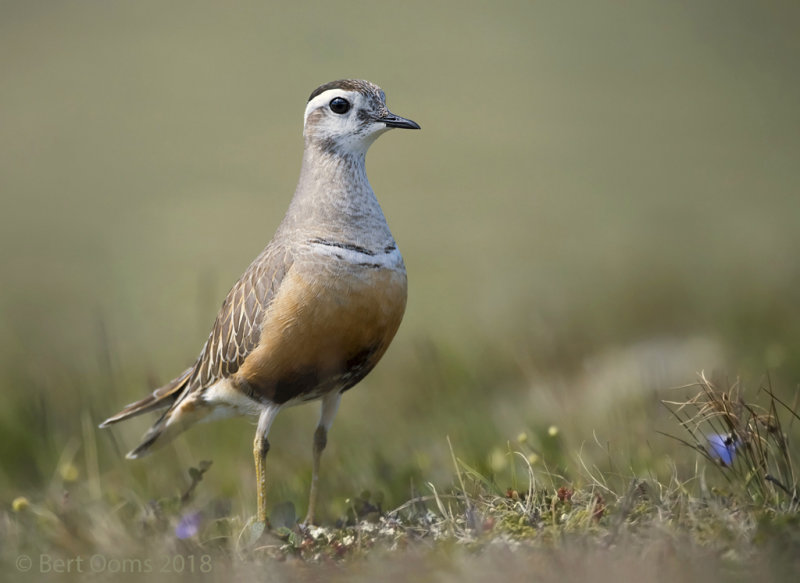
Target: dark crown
<point>364,87</point>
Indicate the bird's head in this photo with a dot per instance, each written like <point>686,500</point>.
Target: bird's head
<point>346,116</point>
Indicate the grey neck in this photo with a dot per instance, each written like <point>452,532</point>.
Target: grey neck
<point>334,201</point>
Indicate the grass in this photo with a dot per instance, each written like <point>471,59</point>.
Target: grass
<point>735,517</point>
<point>746,439</point>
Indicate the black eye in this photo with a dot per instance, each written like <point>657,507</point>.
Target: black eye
<point>339,105</point>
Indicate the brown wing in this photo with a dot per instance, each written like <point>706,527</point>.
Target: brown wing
<point>237,329</point>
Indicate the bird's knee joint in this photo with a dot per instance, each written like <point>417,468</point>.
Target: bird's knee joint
<point>320,438</point>
<point>262,447</point>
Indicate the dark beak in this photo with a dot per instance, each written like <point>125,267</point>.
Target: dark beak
<point>395,121</point>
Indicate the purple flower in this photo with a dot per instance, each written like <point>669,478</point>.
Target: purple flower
<point>722,447</point>
<point>189,525</point>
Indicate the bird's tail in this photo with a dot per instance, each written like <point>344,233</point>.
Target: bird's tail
<point>161,398</point>
<point>172,422</point>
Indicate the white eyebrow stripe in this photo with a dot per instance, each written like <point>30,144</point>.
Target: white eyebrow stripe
<point>325,97</point>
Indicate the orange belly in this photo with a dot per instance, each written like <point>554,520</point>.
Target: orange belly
<point>325,330</point>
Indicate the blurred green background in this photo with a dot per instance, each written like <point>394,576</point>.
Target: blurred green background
<point>604,200</point>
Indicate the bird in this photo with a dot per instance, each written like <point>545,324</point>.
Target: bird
<point>316,310</point>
